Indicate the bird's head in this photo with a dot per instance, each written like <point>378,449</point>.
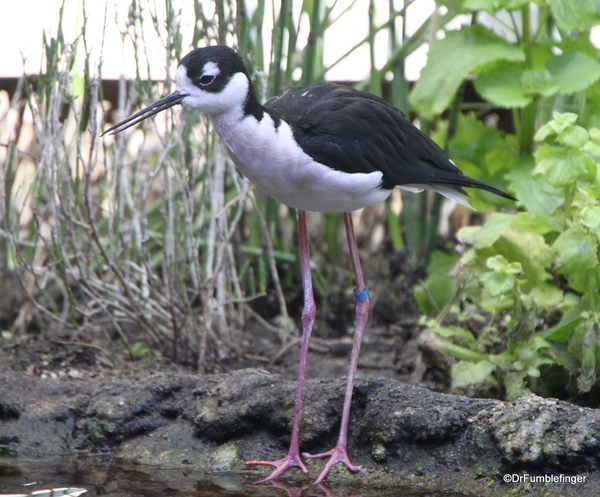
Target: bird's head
<point>211,80</point>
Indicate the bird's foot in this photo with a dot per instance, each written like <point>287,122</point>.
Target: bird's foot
<point>282,465</point>
<point>336,455</point>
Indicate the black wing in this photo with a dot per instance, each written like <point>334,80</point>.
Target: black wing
<point>356,132</point>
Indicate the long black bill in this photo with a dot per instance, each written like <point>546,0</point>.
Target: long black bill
<point>158,106</point>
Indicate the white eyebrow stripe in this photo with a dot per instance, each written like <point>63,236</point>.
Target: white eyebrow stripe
<point>210,68</point>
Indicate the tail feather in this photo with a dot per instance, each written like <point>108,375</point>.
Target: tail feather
<point>452,188</point>
<point>460,181</point>
<point>453,193</point>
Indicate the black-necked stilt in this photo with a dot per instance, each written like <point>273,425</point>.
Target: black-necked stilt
<point>321,147</point>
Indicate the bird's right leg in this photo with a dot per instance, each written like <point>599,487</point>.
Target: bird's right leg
<point>340,452</point>
<point>293,457</point>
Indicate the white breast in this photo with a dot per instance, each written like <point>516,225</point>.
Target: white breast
<point>271,159</point>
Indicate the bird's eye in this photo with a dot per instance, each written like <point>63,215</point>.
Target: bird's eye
<point>206,79</point>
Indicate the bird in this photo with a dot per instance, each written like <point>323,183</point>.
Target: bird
<point>322,147</point>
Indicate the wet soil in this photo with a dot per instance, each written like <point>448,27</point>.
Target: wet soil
<point>62,397</point>
<point>400,434</point>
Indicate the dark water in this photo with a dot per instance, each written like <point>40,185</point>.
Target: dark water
<point>105,476</point>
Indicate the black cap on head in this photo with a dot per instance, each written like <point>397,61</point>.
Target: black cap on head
<point>225,58</point>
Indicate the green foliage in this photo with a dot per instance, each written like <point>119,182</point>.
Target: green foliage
<point>522,269</point>
<point>575,16</point>
<point>433,294</point>
<point>482,153</point>
<point>531,276</point>
<point>140,350</point>
<point>451,60</point>
<point>522,69</point>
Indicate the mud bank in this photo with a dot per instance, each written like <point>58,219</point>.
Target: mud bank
<point>399,433</point>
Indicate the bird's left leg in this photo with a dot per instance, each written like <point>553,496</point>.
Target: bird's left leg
<point>361,294</point>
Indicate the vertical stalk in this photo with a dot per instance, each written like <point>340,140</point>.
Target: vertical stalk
<point>242,26</point>
<point>374,76</point>
<point>527,126</point>
<point>276,73</point>
<point>525,118</point>
<point>222,21</point>
<point>399,82</point>
<point>400,101</point>
<point>312,54</point>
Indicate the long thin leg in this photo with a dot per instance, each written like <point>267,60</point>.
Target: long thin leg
<point>339,452</point>
<point>308,318</point>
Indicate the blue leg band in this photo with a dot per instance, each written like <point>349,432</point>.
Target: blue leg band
<point>361,296</point>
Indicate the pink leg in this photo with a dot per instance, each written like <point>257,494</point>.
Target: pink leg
<point>339,452</point>
<point>308,318</point>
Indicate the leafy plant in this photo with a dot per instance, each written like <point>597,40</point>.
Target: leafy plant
<point>527,289</point>
<point>524,56</point>
<point>524,269</point>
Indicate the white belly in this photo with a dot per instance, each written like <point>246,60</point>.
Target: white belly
<point>277,165</point>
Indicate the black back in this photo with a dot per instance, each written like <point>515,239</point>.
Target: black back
<point>356,132</point>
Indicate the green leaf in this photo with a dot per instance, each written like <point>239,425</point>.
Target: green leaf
<point>562,167</point>
<point>439,285</point>
<point>457,334</point>
<point>546,296</point>
<point>499,264</point>
<point>513,4</point>
<point>538,82</point>
<point>559,122</point>
<point>501,85</point>
<point>531,251</point>
<point>573,136</point>
<point>538,197</point>
<point>500,158</point>
<point>593,146</point>
<point>490,6</point>
<point>493,229</point>
<point>468,373</point>
<point>590,217</point>
<point>575,15</point>
<point>577,310</point>
<point>497,284</point>
<point>562,331</point>
<point>457,351</point>
<point>524,221</point>
<point>595,135</point>
<point>573,71</point>
<point>451,60</point>
<point>588,203</point>
<point>582,281</point>
<point>140,349</point>
<point>581,42</point>
<point>575,251</point>
<point>468,234</point>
